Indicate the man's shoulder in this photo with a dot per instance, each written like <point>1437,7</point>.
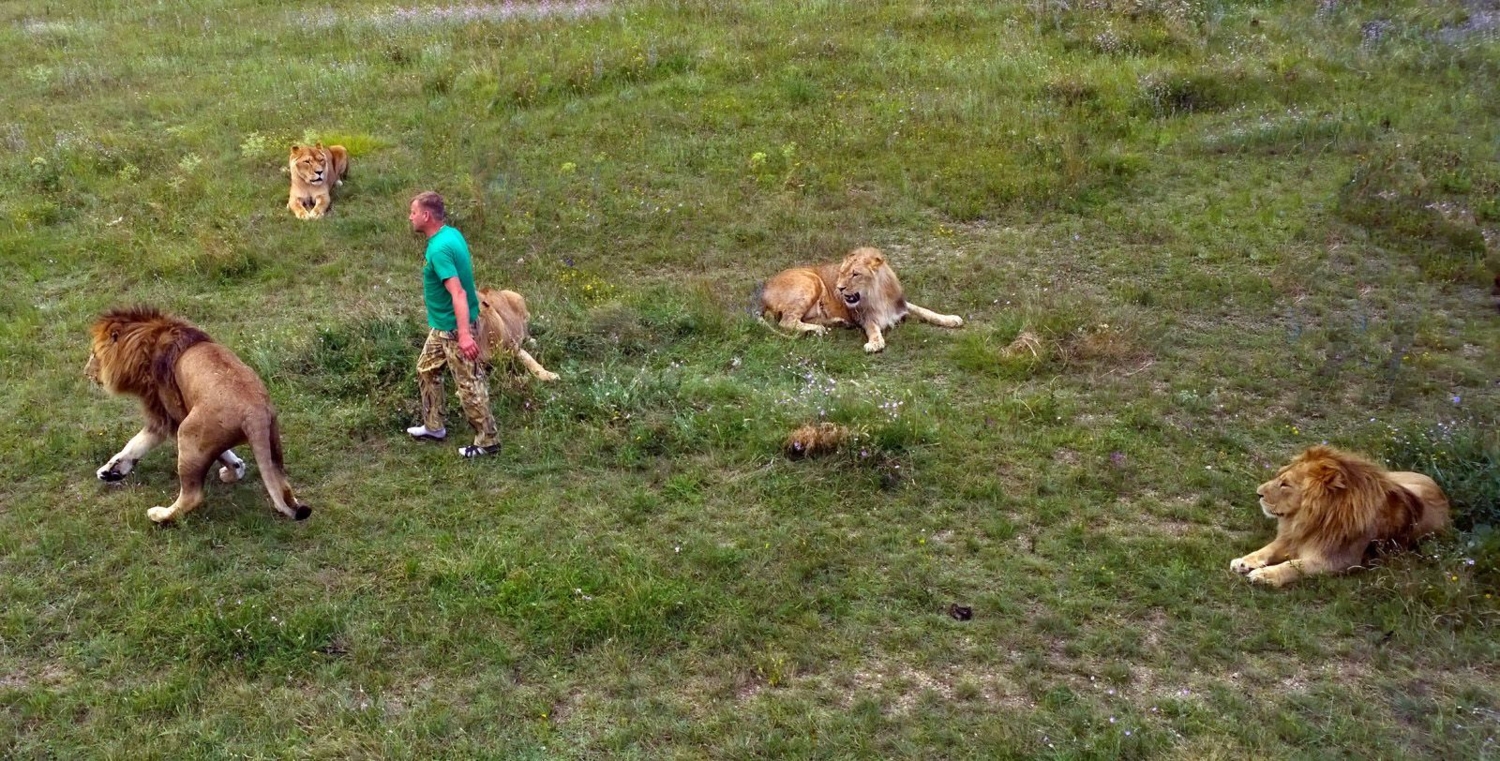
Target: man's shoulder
<point>448,240</point>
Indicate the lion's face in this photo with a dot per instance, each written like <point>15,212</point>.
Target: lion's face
<point>1281,497</point>
<point>310,163</point>
<point>862,277</point>
<point>101,340</point>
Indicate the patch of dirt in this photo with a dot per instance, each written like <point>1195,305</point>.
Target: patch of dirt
<point>472,13</point>
<point>1482,24</point>
<point>48,675</point>
<point>900,687</point>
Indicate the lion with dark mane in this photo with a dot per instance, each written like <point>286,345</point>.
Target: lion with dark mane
<point>1331,507</point>
<point>191,389</point>
<point>861,291</point>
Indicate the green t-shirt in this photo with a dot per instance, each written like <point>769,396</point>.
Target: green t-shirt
<point>447,256</point>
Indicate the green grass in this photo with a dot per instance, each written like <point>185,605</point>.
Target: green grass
<point>1233,230</point>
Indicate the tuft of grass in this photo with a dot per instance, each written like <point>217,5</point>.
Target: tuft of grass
<point>1412,195</point>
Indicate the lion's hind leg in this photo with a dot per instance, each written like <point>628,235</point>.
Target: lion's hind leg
<point>124,461</point>
<point>340,161</point>
<point>929,316</point>
<point>193,461</point>
<point>792,321</point>
<point>791,296</point>
<point>534,367</point>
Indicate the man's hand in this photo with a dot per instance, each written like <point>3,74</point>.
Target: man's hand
<point>461,316</point>
<point>467,345</point>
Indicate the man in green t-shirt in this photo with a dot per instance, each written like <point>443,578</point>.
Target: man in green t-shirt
<point>452,316</point>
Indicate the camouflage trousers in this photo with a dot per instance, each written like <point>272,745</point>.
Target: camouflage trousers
<point>441,351</point>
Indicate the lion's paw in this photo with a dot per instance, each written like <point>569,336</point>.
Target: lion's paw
<point>874,346</point>
<point>229,475</point>
<point>1268,575</point>
<point>1238,565</point>
<point>548,375</point>
<point>953,321</point>
<point>159,514</point>
<point>114,470</point>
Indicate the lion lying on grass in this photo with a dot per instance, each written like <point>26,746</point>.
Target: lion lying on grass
<point>503,329</point>
<point>861,291</point>
<point>194,390</point>
<point>315,170</point>
<point>1330,507</point>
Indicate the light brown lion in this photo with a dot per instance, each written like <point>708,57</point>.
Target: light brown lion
<point>503,329</point>
<point>191,389</point>
<point>315,170</point>
<point>862,291</point>
<point>1331,507</point>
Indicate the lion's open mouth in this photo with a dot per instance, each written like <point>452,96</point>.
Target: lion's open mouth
<point>851,299</point>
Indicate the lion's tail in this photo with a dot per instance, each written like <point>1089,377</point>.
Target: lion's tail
<point>265,442</point>
<point>757,309</point>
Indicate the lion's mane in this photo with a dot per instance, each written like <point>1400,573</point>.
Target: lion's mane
<point>1346,498</point>
<point>135,351</point>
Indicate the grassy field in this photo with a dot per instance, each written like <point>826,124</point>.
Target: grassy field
<point>1234,230</point>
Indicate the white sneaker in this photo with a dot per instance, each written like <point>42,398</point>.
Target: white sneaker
<point>421,432</point>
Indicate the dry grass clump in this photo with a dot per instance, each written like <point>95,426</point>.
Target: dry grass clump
<point>1026,344</point>
<point>815,440</point>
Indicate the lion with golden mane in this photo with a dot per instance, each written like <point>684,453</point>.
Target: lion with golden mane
<point>503,329</point>
<point>1331,508</point>
<point>315,170</point>
<point>861,291</point>
<point>194,390</point>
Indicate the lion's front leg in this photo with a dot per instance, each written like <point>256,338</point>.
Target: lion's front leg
<point>123,462</point>
<point>321,202</point>
<point>233,468</point>
<point>927,315</point>
<point>1275,552</point>
<point>1310,564</point>
<point>874,340</point>
<point>1279,575</point>
<point>294,203</point>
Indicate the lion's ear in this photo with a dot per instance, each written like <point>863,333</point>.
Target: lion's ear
<point>114,336</point>
<point>1328,476</point>
<point>296,147</point>
<point>877,260</point>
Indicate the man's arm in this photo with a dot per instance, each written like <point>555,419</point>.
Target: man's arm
<point>466,342</point>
